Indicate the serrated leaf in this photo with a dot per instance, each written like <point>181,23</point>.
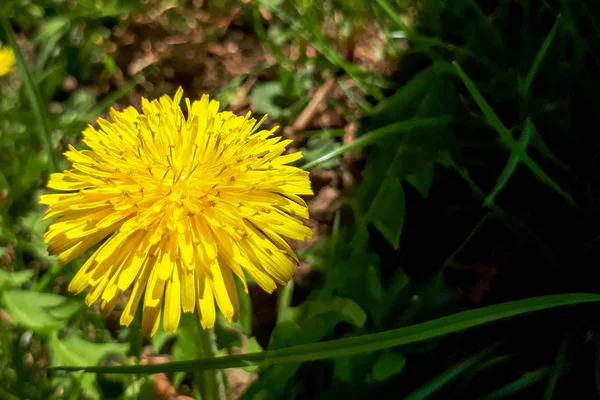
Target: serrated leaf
<point>317,147</point>
<point>267,98</point>
<point>9,280</point>
<point>388,210</point>
<point>35,227</point>
<point>74,350</point>
<point>43,312</point>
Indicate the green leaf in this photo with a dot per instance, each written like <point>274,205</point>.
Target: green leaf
<point>506,136</point>
<point>186,347</point>
<point>345,310</point>
<point>317,147</point>
<point>357,368</point>
<point>439,381</point>
<point>268,98</point>
<point>387,365</point>
<point>423,179</point>
<point>43,312</point>
<point>74,350</point>
<point>365,343</point>
<point>9,280</point>
<point>511,165</point>
<point>228,334</point>
<point>35,226</point>
<point>252,347</point>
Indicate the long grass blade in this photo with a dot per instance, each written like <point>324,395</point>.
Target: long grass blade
<point>557,369</point>
<point>362,141</point>
<point>511,165</point>
<point>33,94</point>
<point>524,382</point>
<point>360,344</point>
<point>506,137</point>
<point>439,381</point>
<point>539,57</point>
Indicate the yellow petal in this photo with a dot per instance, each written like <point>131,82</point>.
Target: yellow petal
<point>206,301</point>
<point>172,303</point>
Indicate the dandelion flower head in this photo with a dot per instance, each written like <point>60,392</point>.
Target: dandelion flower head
<point>7,60</point>
<point>180,204</point>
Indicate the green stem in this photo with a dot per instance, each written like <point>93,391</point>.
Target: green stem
<point>212,385</point>
<point>33,94</point>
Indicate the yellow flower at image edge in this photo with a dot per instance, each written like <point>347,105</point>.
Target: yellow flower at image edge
<point>184,203</point>
<point>7,60</point>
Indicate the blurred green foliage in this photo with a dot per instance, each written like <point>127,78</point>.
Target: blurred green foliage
<point>478,151</point>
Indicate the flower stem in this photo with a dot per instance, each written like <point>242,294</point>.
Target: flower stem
<point>33,94</point>
<point>211,382</point>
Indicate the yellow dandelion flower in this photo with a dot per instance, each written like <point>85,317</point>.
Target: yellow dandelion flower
<point>7,60</point>
<point>183,203</point>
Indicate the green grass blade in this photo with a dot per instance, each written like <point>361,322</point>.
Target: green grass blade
<point>432,287</point>
<point>378,134</point>
<point>285,302</point>
<point>513,223</point>
<point>33,94</point>
<point>511,165</point>
<point>506,136</point>
<point>557,369</point>
<point>539,57</point>
<point>360,344</point>
<point>524,382</point>
<point>439,381</point>
<point>467,380</point>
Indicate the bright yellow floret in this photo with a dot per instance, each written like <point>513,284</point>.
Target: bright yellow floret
<point>7,60</point>
<point>183,203</point>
